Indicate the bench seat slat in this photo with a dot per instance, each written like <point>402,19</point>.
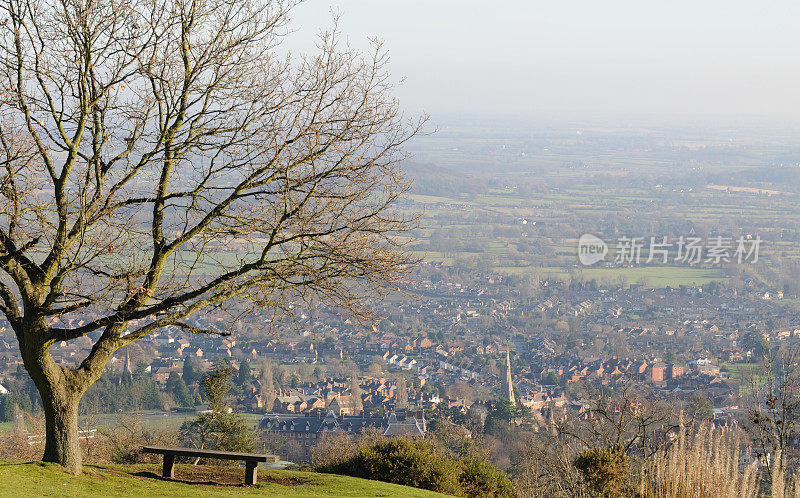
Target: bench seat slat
<point>222,455</point>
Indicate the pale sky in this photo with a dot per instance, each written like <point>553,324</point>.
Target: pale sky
<point>701,57</point>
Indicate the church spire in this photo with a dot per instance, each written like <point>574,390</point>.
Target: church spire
<point>509,384</point>
<point>128,369</point>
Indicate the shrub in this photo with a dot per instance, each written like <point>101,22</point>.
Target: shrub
<point>400,461</point>
<point>126,438</point>
<point>481,478</point>
<point>415,463</point>
<point>605,470</point>
<point>219,431</point>
<point>333,448</point>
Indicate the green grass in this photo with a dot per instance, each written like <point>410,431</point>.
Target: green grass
<point>434,257</point>
<point>18,479</point>
<point>655,276</point>
<point>149,419</point>
<point>745,372</point>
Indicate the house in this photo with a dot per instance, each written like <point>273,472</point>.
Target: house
<point>655,373</point>
<point>535,401</point>
<point>674,371</point>
<point>289,404</point>
<point>710,370</point>
<point>343,405</point>
<point>192,351</point>
<point>732,355</point>
<point>161,374</point>
<point>315,403</point>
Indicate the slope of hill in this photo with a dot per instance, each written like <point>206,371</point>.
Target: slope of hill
<point>38,479</point>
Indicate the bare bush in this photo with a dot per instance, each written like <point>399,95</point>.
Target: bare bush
<point>339,446</point>
<point>129,434</point>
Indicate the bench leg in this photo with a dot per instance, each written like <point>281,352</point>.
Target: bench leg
<point>169,466</point>
<point>250,473</point>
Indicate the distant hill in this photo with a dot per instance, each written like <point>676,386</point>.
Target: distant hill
<point>779,178</point>
<point>38,479</point>
<point>434,180</point>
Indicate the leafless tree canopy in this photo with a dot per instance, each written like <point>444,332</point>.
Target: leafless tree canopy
<point>158,159</point>
<point>140,138</point>
<point>772,403</point>
<point>632,419</point>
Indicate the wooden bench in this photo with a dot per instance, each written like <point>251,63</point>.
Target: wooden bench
<point>251,460</point>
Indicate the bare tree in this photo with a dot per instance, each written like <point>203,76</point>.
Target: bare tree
<point>267,385</point>
<point>357,402</point>
<point>401,393</point>
<point>632,418</point>
<point>160,159</point>
<point>631,424</point>
<point>773,403</point>
<point>546,468</point>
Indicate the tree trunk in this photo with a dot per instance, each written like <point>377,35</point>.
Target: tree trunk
<point>60,389</point>
<point>61,425</point>
<point>61,392</point>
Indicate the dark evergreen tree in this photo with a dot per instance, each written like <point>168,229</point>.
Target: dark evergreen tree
<point>245,376</point>
<point>217,428</point>
<point>6,408</point>
<point>190,375</point>
<point>177,387</point>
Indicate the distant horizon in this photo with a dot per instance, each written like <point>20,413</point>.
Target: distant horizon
<point>730,59</point>
<point>618,119</point>
<point>736,128</point>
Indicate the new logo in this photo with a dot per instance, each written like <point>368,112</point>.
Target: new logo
<point>591,249</point>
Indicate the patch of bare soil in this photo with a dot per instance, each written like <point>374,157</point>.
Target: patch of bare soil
<point>217,476</point>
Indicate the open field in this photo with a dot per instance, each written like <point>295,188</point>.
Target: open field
<point>148,419</point>
<point>156,419</point>
<point>656,276</point>
<point>520,232</point>
<point>749,190</point>
<point>38,479</point>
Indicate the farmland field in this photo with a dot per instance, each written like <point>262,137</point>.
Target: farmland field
<point>524,233</point>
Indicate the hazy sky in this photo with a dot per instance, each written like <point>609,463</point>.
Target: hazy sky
<point>701,57</point>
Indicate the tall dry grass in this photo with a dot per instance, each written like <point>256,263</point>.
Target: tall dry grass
<point>704,465</point>
<point>784,484</point>
<point>708,464</point>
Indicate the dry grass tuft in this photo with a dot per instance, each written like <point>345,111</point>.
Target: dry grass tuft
<point>705,465</point>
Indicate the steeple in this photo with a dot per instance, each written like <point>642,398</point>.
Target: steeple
<point>509,385</point>
<point>128,369</point>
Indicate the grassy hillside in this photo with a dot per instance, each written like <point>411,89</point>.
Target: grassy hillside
<point>37,479</point>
